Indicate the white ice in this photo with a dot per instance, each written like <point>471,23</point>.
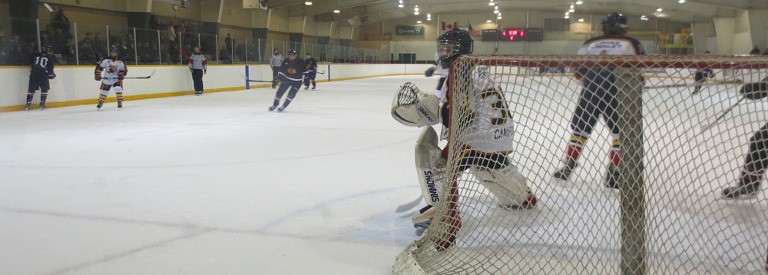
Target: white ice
<point>216,184</point>
<point>211,184</point>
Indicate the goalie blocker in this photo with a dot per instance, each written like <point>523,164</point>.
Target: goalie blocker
<point>494,170</point>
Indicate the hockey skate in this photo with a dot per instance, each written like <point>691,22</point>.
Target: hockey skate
<point>612,177</point>
<point>101,103</point>
<point>695,91</point>
<point>528,204</point>
<point>313,87</point>
<point>423,218</point>
<point>565,172</point>
<point>42,106</point>
<point>27,106</point>
<point>272,108</point>
<point>119,104</point>
<point>281,109</point>
<point>743,191</point>
<point>306,88</point>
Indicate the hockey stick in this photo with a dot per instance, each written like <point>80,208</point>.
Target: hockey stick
<point>132,77</point>
<point>319,72</point>
<point>407,206</point>
<point>707,127</point>
<point>249,80</point>
<point>141,77</point>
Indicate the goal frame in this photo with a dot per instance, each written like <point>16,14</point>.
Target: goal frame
<point>629,74</point>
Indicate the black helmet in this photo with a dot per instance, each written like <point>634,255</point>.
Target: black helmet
<point>47,49</point>
<point>615,24</point>
<point>291,52</point>
<point>460,40</point>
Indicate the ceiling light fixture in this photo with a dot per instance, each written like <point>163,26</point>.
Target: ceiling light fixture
<point>336,11</point>
<point>308,3</point>
<point>418,21</point>
<point>659,10</point>
<point>579,2</point>
<point>581,20</point>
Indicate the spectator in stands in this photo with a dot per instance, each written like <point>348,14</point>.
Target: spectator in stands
<point>129,41</point>
<point>99,45</point>
<point>224,56</point>
<point>3,48</point>
<point>61,22</point>
<point>15,53</point>
<point>755,50</point>
<point>240,51</point>
<point>229,43</point>
<point>170,35</point>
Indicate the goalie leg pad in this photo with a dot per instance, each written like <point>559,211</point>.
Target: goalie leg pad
<point>507,184</point>
<point>429,165</point>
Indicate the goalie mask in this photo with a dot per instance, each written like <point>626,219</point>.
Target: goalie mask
<point>413,108</point>
<point>452,44</point>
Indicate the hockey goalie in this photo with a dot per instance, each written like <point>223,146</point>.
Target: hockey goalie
<point>486,138</point>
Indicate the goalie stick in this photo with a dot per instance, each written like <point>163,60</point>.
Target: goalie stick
<point>408,206</point>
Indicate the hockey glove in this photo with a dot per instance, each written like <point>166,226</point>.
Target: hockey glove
<point>97,77</point>
<point>51,76</point>
<point>754,91</point>
<point>429,72</point>
<point>205,71</point>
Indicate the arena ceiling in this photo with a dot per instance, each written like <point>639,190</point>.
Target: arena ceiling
<point>370,11</point>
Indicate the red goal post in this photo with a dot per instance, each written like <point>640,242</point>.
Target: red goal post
<point>665,218</point>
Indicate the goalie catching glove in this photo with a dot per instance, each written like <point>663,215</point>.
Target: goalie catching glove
<point>755,91</point>
<point>411,107</point>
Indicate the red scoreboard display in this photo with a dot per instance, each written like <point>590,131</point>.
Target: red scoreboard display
<point>513,35</point>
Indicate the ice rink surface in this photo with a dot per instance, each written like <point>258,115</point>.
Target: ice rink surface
<point>216,184</point>
<point>211,184</point>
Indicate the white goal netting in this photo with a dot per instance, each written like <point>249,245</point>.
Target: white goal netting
<point>678,150</point>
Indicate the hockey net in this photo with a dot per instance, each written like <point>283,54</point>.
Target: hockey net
<point>668,215</point>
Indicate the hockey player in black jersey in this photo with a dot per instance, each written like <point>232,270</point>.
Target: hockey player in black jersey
<point>39,74</point>
<point>699,79</point>
<point>756,161</point>
<point>311,72</point>
<point>290,76</point>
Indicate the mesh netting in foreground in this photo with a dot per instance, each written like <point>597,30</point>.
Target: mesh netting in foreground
<point>667,215</point>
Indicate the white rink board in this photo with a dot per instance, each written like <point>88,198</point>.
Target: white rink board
<point>77,82</point>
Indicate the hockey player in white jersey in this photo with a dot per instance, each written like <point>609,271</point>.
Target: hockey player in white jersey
<point>110,71</point>
<point>487,134</point>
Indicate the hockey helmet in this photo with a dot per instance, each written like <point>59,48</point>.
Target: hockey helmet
<point>615,24</point>
<point>452,44</point>
<point>46,49</point>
